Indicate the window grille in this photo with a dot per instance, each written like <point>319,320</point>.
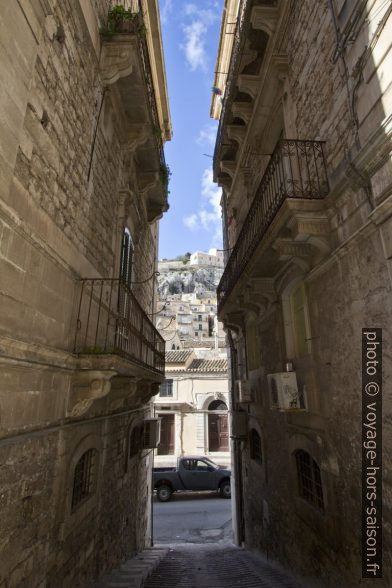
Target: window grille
<point>83,484</point>
<point>309,479</point>
<point>255,446</point>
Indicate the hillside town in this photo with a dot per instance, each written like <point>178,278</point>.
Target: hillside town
<point>193,400</point>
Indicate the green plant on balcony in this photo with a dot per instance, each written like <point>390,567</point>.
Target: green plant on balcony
<point>164,174</point>
<point>123,20</point>
<point>157,132</point>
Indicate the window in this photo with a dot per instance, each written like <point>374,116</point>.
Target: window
<point>255,446</point>
<point>126,260</point>
<point>309,479</point>
<point>200,327</point>
<point>166,388</point>
<point>84,477</point>
<point>167,443</point>
<point>253,346</point>
<point>196,465</point>
<point>200,318</point>
<point>217,405</point>
<point>297,301</point>
<point>196,334</point>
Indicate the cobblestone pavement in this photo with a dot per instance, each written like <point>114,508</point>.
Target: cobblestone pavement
<point>207,566</point>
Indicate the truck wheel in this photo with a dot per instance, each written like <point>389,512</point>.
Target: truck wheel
<point>164,493</point>
<point>225,490</point>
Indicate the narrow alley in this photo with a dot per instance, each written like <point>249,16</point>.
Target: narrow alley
<point>195,293</point>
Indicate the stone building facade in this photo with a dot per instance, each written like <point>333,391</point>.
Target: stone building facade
<point>83,182</point>
<point>303,93</point>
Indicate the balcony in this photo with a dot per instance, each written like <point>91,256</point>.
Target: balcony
<point>127,40</point>
<point>111,321</point>
<point>296,171</point>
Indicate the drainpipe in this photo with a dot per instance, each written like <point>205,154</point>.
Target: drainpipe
<point>152,492</point>
<point>238,503</point>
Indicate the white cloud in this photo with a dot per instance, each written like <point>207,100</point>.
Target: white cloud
<point>208,217</point>
<point>207,135</point>
<point>195,33</point>
<point>207,16</point>
<point>167,8</point>
<point>194,46</point>
<point>191,221</point>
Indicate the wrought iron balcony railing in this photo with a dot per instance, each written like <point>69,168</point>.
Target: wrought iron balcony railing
<point>238,41</point>
<point>111,320</point>
<point>296,170</point>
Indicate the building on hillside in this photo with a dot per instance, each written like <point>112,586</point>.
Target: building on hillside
<point>193,318</point>
<point>214,258</point>
<point>83,109</point>
<point>172,339</point>
<point>193,406</point>
<point>303,158</point>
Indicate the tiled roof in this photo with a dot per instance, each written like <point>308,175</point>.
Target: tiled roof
<point>178,356</point>
<point>208,365</point>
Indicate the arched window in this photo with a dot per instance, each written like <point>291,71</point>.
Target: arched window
<point>309,479</point>
<point>255,446</point>
<point>84,477</point>
<point>217,405</point>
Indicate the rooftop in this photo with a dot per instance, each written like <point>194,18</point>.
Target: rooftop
<point>208,365</point>
<point>178,356</point>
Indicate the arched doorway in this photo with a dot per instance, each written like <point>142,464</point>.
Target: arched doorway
<point>218,427</point>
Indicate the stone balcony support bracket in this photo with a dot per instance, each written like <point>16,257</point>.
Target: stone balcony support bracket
<point>249,84</point>
<point>88,386</point>
<point>242,110</point>
<point>236,132</point>
<point>117,58</point>
<point>228,167</point>
<point>264,18</point>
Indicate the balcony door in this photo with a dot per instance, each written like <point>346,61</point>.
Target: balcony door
<point>126,260</point>
<point>218,427</point>
<point>125,340</point>
<point>166,445</point>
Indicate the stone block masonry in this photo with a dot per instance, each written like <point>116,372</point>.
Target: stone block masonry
<point>74,478</point>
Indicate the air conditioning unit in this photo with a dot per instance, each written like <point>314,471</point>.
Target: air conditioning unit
<point>239,424</point>
<point>283,392</point>
<point>244,391</point>
<point>151,433</point>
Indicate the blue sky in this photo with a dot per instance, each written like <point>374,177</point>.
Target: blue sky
<point>190,40</point>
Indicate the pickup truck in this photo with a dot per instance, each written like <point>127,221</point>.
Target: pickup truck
<point>192,473</point>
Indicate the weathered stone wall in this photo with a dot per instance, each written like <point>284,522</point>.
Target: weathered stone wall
<point>41,540</point>
<point>329,543</point>
<point>60,221</point>
<point>348,289</point>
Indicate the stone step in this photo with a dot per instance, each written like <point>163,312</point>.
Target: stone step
<point>133,572</point>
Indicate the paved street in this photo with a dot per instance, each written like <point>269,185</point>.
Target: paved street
<point>192,518</point>
<point>215,566</point>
